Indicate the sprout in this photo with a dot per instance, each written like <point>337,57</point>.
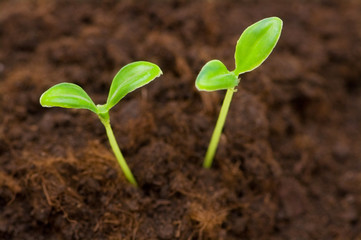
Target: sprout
<point>253,47</point>
<point>129,78</point>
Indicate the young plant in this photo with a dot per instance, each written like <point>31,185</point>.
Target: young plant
<point>253,47</point>
<point>129,78</point>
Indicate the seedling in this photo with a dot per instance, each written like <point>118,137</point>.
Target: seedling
<point>253,47</point>
<point>129,78</point>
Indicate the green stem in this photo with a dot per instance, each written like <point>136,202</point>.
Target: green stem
<point>218,129</point>
<point>118,154</point>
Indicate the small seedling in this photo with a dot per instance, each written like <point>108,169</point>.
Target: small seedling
<point>129,78</point>
<point>253,47</point>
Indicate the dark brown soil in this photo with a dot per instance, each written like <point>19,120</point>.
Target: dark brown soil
<point>289,162</point>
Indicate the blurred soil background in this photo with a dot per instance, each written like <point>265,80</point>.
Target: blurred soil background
<point>289,162</point>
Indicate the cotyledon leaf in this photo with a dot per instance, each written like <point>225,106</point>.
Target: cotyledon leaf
<point>215,76</point>
<point>129,78</point>
<point>67,95</point>
<point>256,44</point>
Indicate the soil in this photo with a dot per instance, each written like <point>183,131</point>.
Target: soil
<point>288,165</point>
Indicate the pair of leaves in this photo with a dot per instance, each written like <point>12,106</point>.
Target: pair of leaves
<point>253,47</point>
<point>129,78</point>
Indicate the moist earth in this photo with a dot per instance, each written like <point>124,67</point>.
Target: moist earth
<point>288,164</point>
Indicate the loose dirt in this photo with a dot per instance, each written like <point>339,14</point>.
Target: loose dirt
<point>288,165</point>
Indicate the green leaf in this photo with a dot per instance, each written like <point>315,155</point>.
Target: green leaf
<point>129,78</point>
<point>67,95</point>
<point>256,44</point>
<point>215,76</point>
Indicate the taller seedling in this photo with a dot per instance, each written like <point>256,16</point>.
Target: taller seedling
<point>129,78</point>
<point>253,47</point>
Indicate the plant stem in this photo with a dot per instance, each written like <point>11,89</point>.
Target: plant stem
<point>207,163</point>
<point>118,154</point>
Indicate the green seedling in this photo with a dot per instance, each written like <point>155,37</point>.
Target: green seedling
<point>253,47</point>
<point>129,78</point>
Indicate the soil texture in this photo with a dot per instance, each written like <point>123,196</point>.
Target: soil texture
<point>288,165</point>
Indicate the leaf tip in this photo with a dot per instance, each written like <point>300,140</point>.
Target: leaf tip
<point>159,72</point>
<point>42,100</point>
<point>276,23</point>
